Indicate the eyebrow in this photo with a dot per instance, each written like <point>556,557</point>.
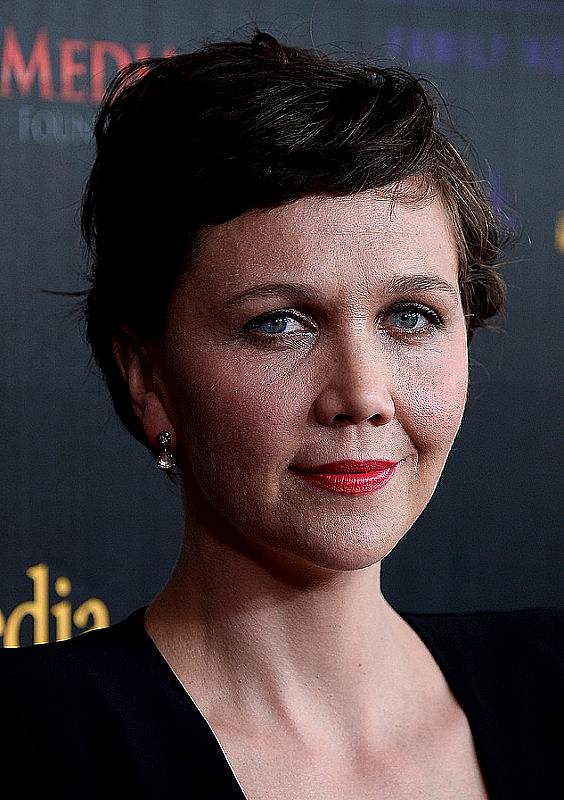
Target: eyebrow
<point>397,284</point>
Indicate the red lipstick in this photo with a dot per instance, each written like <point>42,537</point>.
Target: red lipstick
<point>349,477</point>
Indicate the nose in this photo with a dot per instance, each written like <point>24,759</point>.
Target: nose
<point>360,387</point>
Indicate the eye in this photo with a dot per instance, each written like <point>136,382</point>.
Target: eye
<point>275,321</point>
<point>275,326</point>
<point>406,319</point>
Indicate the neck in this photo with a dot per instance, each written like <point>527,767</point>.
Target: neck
<point>323,659</point>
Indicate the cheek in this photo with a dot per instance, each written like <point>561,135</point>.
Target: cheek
<point>432,399</point>
<point>242,420</point>
<point>252,420</point>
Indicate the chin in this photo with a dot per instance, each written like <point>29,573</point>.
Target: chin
<point>345,551</point>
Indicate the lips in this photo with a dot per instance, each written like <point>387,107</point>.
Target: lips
<point>349,477</point>
<point>348,466</point>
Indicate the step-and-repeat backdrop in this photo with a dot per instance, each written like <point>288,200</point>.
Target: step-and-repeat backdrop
<point>90,527</point>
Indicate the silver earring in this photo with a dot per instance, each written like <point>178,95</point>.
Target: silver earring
<point>165,459</point>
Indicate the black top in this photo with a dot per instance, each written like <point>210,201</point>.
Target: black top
<point>102,715</point>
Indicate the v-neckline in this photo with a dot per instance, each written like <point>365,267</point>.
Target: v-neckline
<point>416,621</point>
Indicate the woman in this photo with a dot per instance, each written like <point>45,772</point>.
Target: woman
<point>289,262</point>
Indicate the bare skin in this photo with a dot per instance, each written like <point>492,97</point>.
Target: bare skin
<point>272,769</point>
<point>273,618</point>
<point>431,757</point>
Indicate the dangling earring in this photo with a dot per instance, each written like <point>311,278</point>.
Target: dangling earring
<point>165,459</point>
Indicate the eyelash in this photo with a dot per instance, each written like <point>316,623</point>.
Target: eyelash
<point>436,323</point>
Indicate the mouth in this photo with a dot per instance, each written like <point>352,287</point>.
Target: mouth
<point>348,466</point>
<point>349,477</point>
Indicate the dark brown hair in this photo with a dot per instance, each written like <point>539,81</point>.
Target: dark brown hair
<point>196,139</point>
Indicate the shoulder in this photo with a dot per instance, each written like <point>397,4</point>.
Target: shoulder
<point>510,650</point>
<point>89,698</point>
<point>42,676</point>
<point>540,629</point>
<point>97,642</point>
<point>82,647</point>
<point>530,641</point>
<point>534,632</point>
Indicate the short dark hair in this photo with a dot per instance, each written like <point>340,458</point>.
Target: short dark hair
<point>196,139</point>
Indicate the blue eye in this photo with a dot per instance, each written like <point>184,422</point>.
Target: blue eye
<point>275,320</point>
<point>272,327</point>
<point>406,318</point>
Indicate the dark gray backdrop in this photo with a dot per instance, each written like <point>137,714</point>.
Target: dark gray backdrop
<point>84,509</point>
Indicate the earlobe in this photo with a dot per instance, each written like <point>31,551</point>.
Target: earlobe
<point>145,403</point>
<point>155,420</point>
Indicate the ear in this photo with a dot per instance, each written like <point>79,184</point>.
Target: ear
<point>133,362</point>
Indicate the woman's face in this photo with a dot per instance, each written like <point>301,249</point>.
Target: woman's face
<point>368,362</point>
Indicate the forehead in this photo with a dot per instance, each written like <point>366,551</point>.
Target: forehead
<point>330,239</point>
